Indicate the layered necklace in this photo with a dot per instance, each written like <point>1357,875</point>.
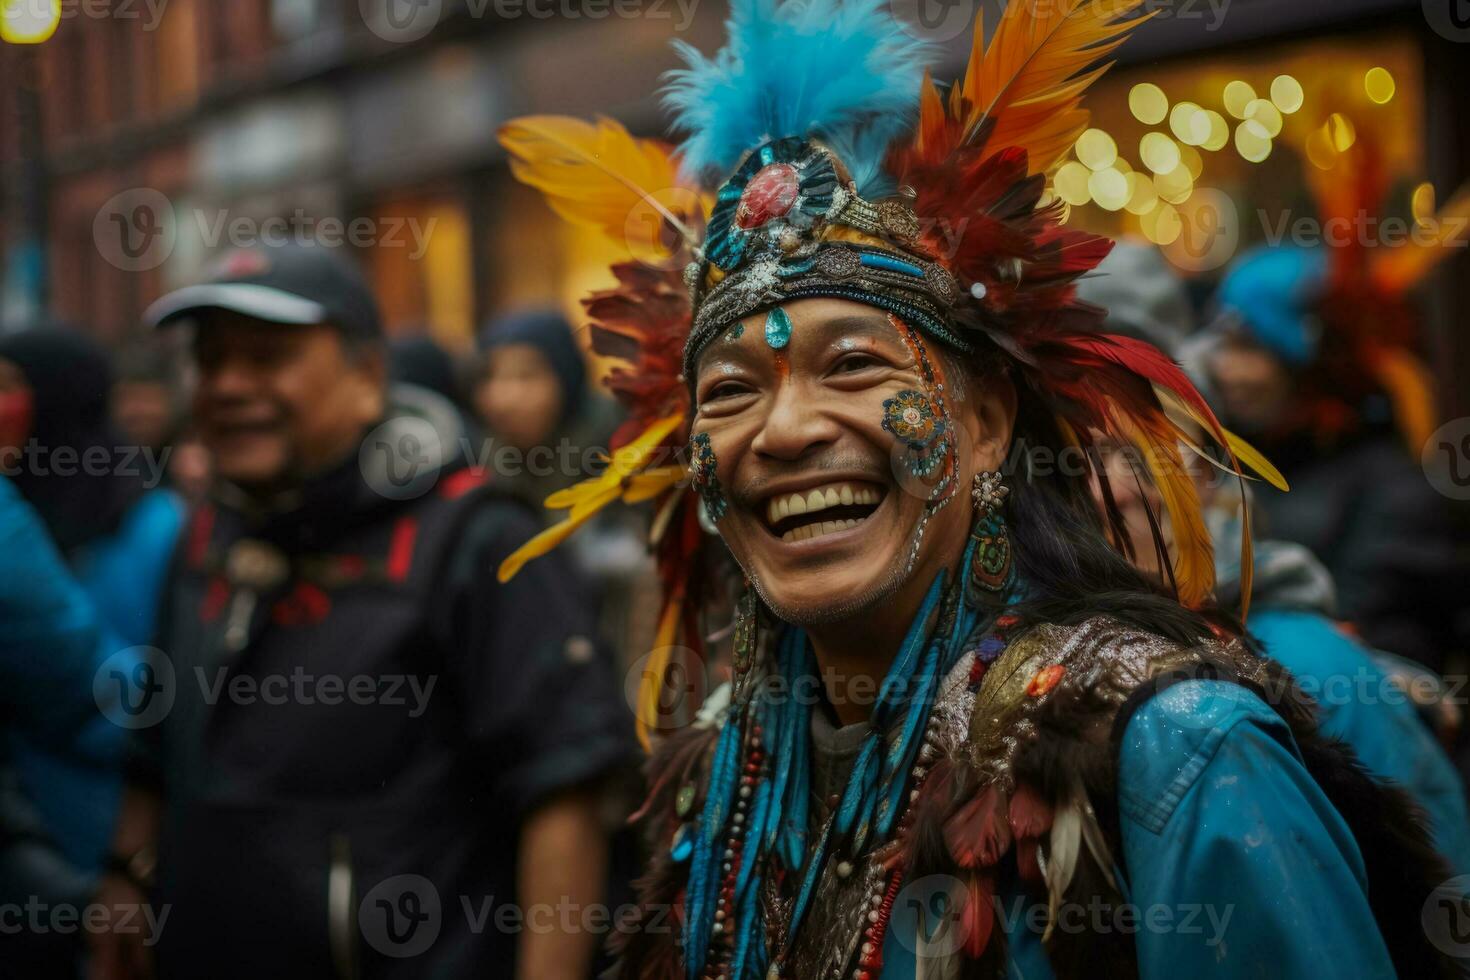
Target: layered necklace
<point>754,822</point>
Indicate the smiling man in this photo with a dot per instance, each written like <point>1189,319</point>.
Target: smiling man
<point>348,720</point>
<point>964,736</point>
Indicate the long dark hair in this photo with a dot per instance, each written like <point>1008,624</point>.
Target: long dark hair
<point>1060,543</point>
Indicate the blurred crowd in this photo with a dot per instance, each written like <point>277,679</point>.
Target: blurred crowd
<point>258,661</point>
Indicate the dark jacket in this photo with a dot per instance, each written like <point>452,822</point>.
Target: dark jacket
<point>357,735</point>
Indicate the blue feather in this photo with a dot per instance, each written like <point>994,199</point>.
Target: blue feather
<point>843,71</point>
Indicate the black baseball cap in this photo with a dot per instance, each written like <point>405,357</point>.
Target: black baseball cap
<point>293,284</point>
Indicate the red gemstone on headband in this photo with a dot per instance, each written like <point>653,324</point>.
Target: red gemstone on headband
<point>770,194</point>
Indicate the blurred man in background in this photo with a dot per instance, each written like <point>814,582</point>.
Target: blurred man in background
<point>370,739</point>
<point>1306,367</point>
<point>1292,601</point>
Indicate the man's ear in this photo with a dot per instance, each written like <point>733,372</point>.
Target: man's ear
<point>369,362</point>
<point>988,417</point>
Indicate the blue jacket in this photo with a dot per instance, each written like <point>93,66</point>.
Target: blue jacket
<point>74,777</point>
<point>1237,865</point>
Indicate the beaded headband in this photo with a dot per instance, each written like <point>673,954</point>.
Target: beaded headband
<point>791,224</point>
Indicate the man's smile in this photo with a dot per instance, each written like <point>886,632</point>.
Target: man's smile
<point>812,512</point>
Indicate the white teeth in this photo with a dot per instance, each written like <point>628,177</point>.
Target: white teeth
<point>820,498</point>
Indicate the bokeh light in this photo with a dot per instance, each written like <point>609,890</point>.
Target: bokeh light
<point>28,21</point>
<point>1108,188</point>
<point>1267,115</point>
<point>1141,194</point>
<point>1286,93</point>
<point>1162,224</point>
<point>1158,152</point>
<point>1379,84</point>
<point>1096,149</point>
<point>1219,131</point>
<point>1251,141</point>
<point>1070,183</point>
<point>1341,132</point>
<point>1421,203</point>
<point>1174,186</point>
<point>1148,103</point>
<point>1238,95</point>
<point>1189,123</point>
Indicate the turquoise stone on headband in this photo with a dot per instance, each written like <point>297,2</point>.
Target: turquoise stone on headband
<point>778,328</point>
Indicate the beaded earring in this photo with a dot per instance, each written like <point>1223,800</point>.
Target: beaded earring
<point>992,571</point>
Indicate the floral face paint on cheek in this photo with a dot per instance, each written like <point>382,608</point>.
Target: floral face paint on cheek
<point>703,465</point>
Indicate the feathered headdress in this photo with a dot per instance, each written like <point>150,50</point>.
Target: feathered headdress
<point>847,172</point>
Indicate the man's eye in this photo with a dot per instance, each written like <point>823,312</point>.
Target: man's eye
<point>856,362</point>
<point>725,389</point>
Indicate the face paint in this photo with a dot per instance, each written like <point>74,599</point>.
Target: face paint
<point>924,425</point>
<point>910,416</point>
<point>703,466</point>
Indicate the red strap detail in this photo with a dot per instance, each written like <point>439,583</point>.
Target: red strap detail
<point>461,482</point>
<point>200,528</point>
<point>216,594</point>
<point>307,604</point>
<point>400,551</point>
<point>351,566</point>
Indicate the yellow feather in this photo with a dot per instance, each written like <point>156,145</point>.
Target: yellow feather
<point>590,496</point>
<point>1194,556</point>
<point>598,175</point>
<point>651,684</point>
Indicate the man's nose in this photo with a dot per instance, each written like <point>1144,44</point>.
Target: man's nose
<point>796,425</point>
